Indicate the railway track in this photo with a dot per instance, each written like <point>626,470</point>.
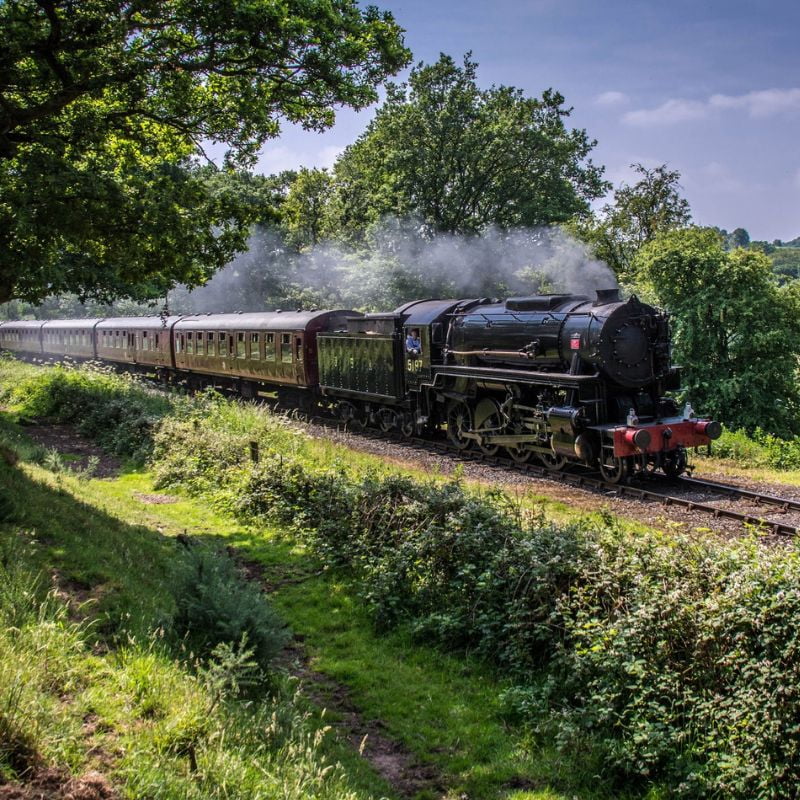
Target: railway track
<point>660,494</point>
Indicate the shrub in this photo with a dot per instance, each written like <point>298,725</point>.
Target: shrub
<point>759,449</point>
<point>117,411</point>
<point>215,606</point>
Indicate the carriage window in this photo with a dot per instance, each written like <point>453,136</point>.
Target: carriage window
<point>269,347</point>
<point>179,340</point>
<point>210,343</point>
<point>255,346</point>
<point>240,351</point>
<point>200,342</point>
<point>145,341</point>
<point>286,348</point>
<point>189,343</point>
<point>222,341</point>
<point>298,349</point>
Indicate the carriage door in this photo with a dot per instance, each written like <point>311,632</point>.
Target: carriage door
<point>130,346</point>
<point>299,360</point>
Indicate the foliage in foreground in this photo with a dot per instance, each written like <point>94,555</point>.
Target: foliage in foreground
<point>675,656</point>
<point>170,731</point>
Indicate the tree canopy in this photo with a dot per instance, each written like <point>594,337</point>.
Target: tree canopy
<point>460,158</point>
<point>105,108</point>
<point>638,213</point>
<point>735,330</point>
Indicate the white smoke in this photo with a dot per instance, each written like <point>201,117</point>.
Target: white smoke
<point>404,261</point>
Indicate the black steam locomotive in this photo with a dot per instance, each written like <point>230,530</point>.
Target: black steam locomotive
<point>557,377</point>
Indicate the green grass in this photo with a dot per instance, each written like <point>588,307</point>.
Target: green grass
<point>444,709</point>
<point>148,720</point>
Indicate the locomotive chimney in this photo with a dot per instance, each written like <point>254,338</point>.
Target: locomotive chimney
<point>605,296</point>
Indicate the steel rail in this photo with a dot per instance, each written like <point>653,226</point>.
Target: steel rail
<point>784,503</point>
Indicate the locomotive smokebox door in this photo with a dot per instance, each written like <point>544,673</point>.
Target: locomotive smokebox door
<point>417,359</point>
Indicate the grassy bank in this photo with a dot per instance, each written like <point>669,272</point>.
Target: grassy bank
<point>93,682</point>
<point>643,663</point>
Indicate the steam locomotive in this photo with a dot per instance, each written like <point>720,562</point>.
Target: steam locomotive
<point>560,378</point>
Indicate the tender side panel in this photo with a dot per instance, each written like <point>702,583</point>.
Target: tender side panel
<point>369,366</point>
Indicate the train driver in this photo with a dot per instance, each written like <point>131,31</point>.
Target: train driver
<point>413,343</point>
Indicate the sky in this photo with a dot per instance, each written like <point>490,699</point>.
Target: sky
<point>712,89</point>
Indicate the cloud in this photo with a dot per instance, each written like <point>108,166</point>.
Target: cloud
<point>720,178</point>
<point>758,104</point>
<point>668,113</point>
<point>611,99</point>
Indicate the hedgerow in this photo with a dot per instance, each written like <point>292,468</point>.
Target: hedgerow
<point>674,656</point>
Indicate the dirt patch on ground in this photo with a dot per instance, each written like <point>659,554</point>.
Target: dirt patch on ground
<point>80,598</point>
<point>155,499</point>
<point>68,442</point>
<point>397,765</point>
<point>57,784</point>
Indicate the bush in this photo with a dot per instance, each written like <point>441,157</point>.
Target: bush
<point>216,606</point>
<point>117,411</point>
<point>759,449</point>
<point>676,657</point>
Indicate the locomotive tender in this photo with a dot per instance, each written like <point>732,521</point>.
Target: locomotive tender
<point>557,377</point>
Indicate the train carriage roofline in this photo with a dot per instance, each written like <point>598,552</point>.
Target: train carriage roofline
<point>155,322</point>
<point>266,321</point>
<point>33,324</point>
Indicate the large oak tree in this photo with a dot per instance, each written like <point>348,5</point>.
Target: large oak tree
<point>461,158</point>
<point>104,111</point>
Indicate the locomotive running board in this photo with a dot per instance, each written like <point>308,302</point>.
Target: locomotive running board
<point>515,376</point>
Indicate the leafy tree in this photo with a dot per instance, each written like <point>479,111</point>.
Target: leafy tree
<point>460,158</point>
<point>104,109</point>
<point>738,238</point>
<point>305,211</point>
<point>638,213</point>
<point>735,331</point>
